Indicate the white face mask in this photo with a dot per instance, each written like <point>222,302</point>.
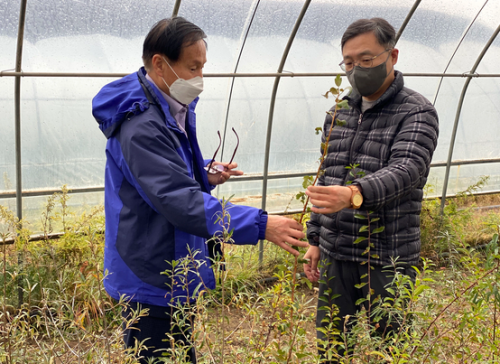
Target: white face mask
<point>184,91</point>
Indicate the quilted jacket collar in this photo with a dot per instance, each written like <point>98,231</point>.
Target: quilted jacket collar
<point>397,85</point>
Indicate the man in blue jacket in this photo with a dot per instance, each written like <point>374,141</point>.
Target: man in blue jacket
<point>157,188</point>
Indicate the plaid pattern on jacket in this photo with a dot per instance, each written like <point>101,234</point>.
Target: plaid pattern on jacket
<point>392,143</point>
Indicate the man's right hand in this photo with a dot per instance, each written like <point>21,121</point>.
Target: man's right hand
<point>285,232</point>
<point>311,269</point>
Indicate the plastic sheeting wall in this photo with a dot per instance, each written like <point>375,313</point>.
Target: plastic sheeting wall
<point>61,143</point>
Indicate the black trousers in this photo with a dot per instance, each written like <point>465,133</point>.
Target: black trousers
<point>155,327</point>
<point>338,287</point>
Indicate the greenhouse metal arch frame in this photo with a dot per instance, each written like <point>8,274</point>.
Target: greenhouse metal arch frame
<point>279,74</point>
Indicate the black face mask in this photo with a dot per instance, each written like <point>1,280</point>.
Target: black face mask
<point>367,81</point>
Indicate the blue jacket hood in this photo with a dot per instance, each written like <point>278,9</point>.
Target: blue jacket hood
<point>113,104</point>
<point>123,98</point>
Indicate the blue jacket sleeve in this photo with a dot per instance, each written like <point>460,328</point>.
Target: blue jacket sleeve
<point>151,154</point>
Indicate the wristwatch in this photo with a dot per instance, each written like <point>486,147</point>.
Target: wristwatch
<point>356,197</point>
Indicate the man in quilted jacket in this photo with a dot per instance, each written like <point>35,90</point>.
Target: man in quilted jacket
<point>387,145</point>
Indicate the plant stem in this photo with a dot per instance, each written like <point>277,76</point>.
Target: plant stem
<point>325,151</point>
<point>323,156</point>
<point>495,313</point>
<point>369,272</point>
<point>270,328</point>
<point>292,343</point>
<point>223,294</point>
<point>4,308</point>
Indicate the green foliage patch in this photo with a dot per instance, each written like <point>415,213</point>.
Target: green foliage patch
<point>451,311</point>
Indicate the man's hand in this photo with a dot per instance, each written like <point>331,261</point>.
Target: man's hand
<point>329,199</point>
<point>221,177</point>
<point>284,232</point>
<point>311,269</point>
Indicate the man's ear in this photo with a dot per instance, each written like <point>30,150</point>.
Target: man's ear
<point>158,65</point>
<point>394,56</point>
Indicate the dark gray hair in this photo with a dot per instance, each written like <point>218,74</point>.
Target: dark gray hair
<point>168,37</point>
<point>384,32</point>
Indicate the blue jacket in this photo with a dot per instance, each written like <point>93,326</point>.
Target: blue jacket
<point>157,197</point>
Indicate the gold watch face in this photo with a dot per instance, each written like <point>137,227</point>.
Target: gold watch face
<point>357,200</point>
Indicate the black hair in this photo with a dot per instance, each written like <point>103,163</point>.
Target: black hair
<point>168,37</point>
<point>384,32</point>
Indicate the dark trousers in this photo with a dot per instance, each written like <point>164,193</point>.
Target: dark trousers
<point>338,287</point>
<point>155,328</point>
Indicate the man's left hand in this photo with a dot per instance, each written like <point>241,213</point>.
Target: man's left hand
<point>221,177</point>
<point>328,199</point>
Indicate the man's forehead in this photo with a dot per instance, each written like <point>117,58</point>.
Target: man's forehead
<point>366,52</point>
<point>362,44</point>
<point>195,52</point>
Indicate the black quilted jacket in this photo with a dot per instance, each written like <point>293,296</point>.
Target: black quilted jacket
<point>392,143</point>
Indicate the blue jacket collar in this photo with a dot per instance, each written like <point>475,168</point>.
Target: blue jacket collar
<point>120,99</point>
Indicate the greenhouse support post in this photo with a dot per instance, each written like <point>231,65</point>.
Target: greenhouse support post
<point>17,101</point>
<point>407,19</point>
<point>243,39</point>
<point>466,31</point>
<point>457,116</point>
<point>271,113</point>
<point>177,5</point>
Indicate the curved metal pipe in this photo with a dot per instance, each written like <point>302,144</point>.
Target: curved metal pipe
<point>456,50</point>
<point>17,108</point>
<point>17,115</point>
<point>271,112</point>
<point>457,117</point>
<point>176,8</point>
<point>249,25</point>
<point>407,19</point>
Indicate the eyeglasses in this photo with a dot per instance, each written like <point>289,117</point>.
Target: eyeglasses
<point>364,62</point>
<point>218,168</point>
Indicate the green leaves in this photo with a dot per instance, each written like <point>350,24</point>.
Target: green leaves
<point>301,196</point>
<point>419,289</point>
<point>338,92</point>
<point>360,239</point>
<point>343,105</point>
<point>318,130</point>
<point>338,80</point>
<point>333,91</point>
<point>307,181</point>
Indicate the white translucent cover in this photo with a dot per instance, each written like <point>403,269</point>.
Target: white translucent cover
<point>61,143</point>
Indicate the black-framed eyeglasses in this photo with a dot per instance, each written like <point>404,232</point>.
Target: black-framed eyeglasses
<point>218,168</point>
<point>364,62</point>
